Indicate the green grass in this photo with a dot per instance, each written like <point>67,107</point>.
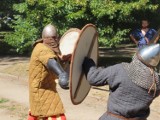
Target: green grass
<point>3,100</point>
<point>12,108</point>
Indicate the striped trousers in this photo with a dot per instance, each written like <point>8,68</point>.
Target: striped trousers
<point>58,117</point>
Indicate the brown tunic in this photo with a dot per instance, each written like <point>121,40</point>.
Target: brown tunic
<point>44,98</point>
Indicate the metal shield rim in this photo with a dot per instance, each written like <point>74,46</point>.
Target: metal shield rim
<point>71,66</point>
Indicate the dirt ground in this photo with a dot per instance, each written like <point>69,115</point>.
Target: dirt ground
<point>14,103</point>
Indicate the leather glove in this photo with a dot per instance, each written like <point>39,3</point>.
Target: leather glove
<point>59,71</point>
<point>87,64</point>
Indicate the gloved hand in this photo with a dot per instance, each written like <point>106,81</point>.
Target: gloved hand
<point>59,71</point>
<point>87,64</point>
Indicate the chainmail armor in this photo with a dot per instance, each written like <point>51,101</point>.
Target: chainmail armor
<point>141,75</point>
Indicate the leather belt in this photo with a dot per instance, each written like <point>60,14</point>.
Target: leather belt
<point>124,118</point>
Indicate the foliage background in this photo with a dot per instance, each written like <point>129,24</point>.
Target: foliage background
<point>114,19</point>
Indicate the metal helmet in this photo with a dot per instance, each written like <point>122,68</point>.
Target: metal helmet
<point>150,55</point>
<point>49,31</point>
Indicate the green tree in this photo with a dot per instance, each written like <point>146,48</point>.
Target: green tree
<point>113,18</point>
<point>6,13</point>
<point>116,18</point>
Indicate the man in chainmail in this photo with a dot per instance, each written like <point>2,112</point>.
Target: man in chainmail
<point>44,69</point>
<point>133,86</point>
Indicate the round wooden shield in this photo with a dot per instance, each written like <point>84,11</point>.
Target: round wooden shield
<point>68,41</point>
<point>87,45</point>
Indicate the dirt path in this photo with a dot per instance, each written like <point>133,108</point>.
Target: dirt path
<point>14,95</point>
<point>17,92</point>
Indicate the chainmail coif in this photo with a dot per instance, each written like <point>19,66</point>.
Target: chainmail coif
<point>141,75</point>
